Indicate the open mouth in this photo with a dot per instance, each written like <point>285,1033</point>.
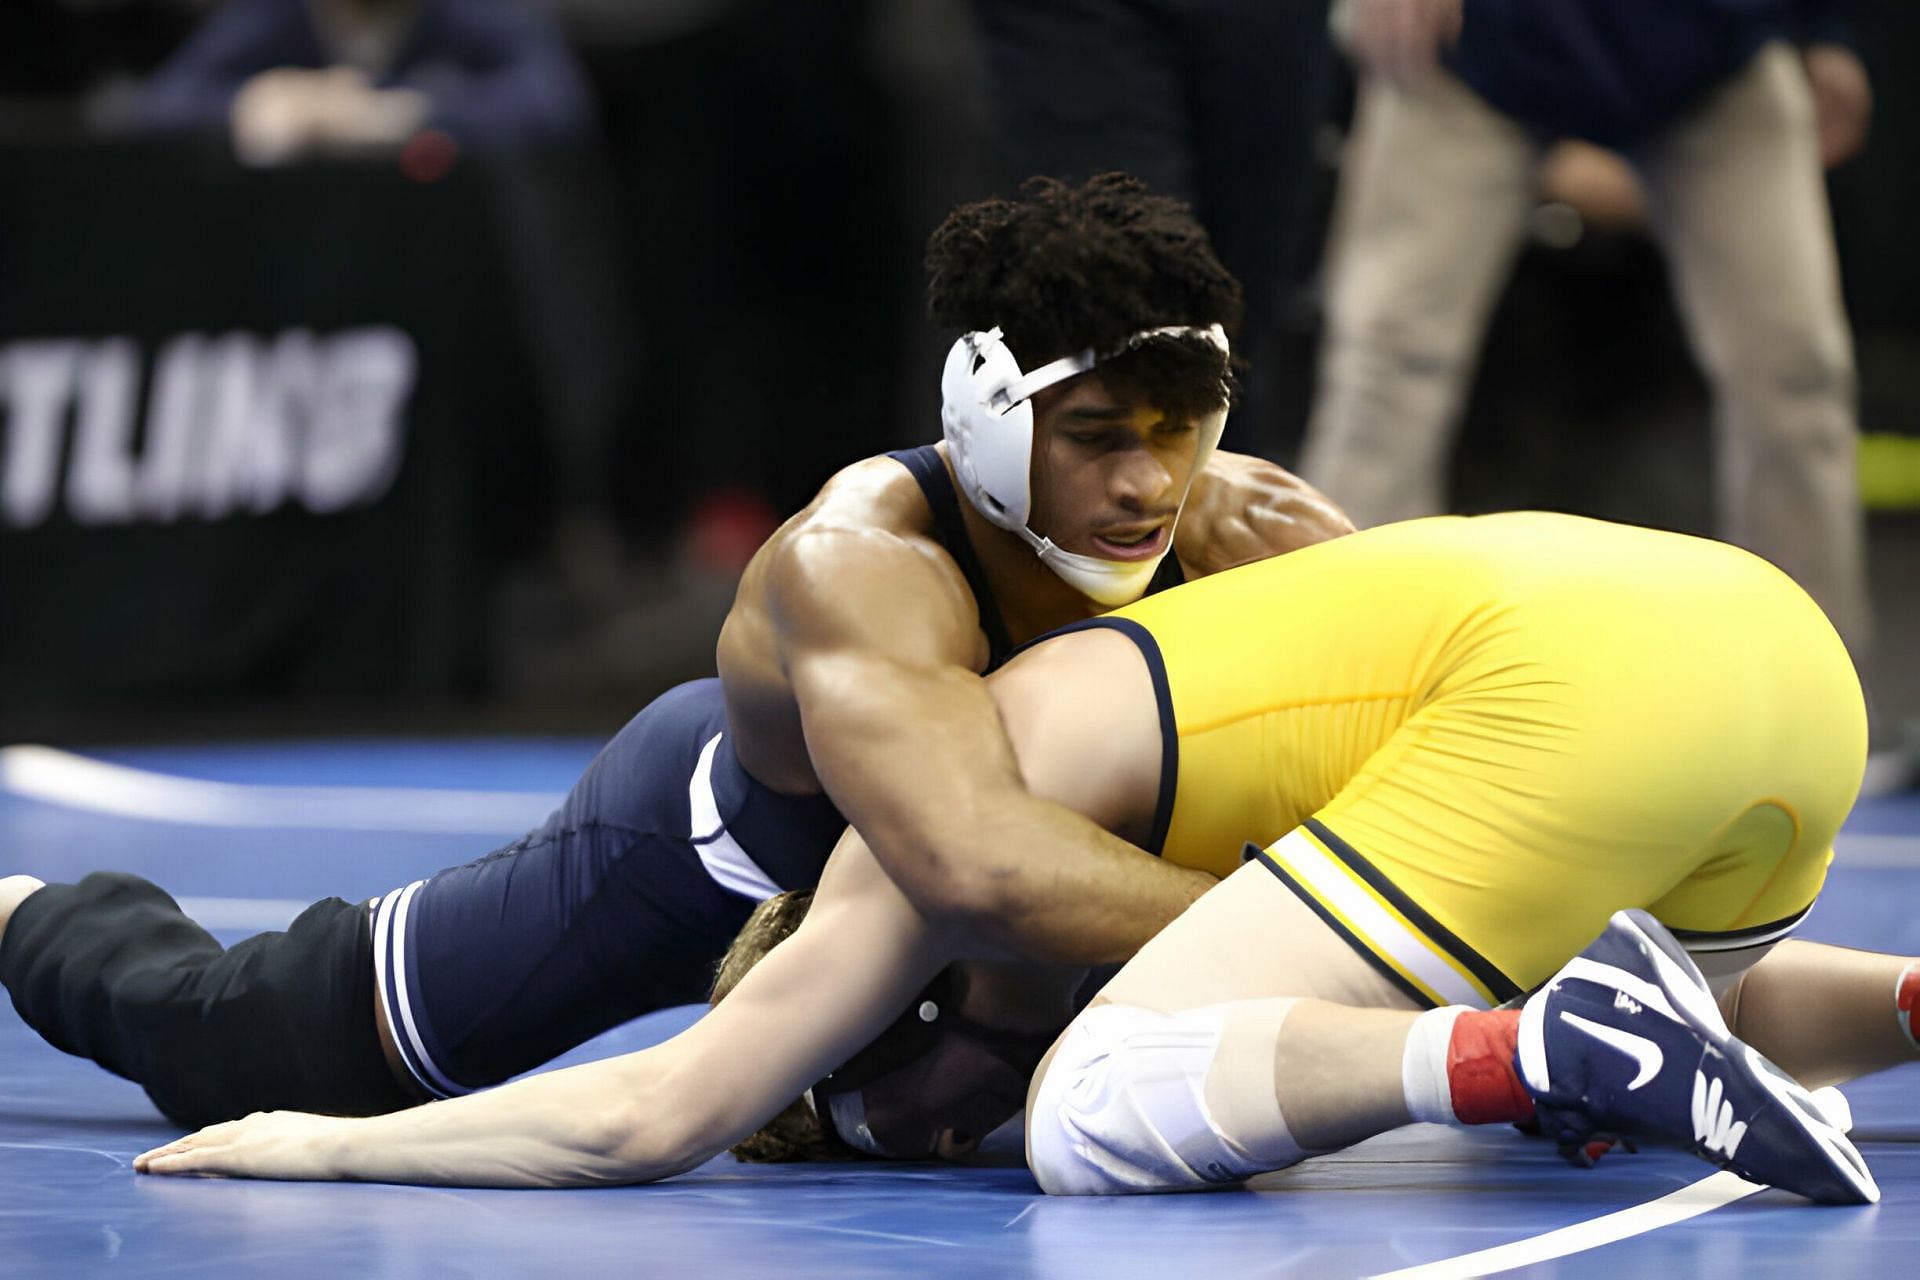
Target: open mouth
<point>1132,544</point>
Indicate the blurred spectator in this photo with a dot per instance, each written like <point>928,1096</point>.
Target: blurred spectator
<point>291,77</point>
<point>1726,127</point>
<point>1215,101</point>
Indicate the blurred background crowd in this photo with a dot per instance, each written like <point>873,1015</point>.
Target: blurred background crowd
<point>437,363</point>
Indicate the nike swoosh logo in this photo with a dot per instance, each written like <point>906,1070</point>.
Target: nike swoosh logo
<point>1639,1048</point>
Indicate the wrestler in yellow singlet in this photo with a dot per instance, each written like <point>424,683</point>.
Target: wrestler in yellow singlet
<point>1465,741</point>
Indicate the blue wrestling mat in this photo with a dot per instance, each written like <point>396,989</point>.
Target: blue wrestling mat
<point>246,836</point>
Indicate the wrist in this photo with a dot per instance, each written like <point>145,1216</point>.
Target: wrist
<point>331,1146</point>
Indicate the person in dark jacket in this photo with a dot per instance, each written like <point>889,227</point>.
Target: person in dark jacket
<point>290,77</point>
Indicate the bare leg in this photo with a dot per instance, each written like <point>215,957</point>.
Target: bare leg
<point>1252,1029</point>
<point>1142,1100</point>
<point>1337,1073</point>
<point>1138,1100</point>
<point>1824,1014</point>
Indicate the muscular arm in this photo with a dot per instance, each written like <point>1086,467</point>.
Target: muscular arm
<point>861,954</point>
<point>880,651</point>
<point>1245,509</point>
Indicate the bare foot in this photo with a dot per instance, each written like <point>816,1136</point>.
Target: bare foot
<point>15,890</point>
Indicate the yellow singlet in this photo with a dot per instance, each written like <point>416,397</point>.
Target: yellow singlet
<point>1465,742</point>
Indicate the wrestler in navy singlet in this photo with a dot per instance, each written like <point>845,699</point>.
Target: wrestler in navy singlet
<point>625,898</point>
<point>618,904</point>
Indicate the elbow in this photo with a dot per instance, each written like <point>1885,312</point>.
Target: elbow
<point>633,1143</point>
<point>956,861</point>
<point>958,885</point>
<point>973,897</point>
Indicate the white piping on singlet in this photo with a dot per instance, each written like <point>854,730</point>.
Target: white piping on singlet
<point>390,923</point>
<point>729,864</point>
<point>720,854</point>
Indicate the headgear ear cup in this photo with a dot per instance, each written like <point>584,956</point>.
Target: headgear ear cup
<point>989,439</point>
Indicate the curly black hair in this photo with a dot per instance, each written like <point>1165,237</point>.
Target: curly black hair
<point>1067,268</point>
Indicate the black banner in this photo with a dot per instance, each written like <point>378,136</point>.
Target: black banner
<point>258,431</point>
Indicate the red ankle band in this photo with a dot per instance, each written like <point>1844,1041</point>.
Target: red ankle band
<point>1480,1072</point>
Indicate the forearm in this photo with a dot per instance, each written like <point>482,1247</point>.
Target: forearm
<point>920,763</point>
<point>547,1131</point>
<point>564,1129</point>
<point>1057,887</point>
<point>1025,876</point>
<point>801,1012</point>
<point>916,755</point>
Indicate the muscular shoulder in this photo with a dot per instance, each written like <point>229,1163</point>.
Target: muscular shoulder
<point>1244,509</point>
<point>859,566</point>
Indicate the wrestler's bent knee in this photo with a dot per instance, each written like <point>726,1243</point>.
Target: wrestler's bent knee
<point>1122,1108</point>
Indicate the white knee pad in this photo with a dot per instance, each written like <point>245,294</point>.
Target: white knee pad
<point>1125,1105</point>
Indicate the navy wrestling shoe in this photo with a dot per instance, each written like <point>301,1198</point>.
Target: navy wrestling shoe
<point>1627,1041</point>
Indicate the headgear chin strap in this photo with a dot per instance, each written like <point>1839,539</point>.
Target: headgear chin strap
<point>1108,582</point>
<point>986,414</point>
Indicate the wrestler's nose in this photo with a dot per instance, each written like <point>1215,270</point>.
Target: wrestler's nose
<point>1140,478</point>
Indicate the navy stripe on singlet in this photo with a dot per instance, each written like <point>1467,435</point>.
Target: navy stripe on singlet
<point>1759,935</point>
<point>1163,700</point>
<point>1503,987</point>
<point>1254,853</point>
<point>950,527</point>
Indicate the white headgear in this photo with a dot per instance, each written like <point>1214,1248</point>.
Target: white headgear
<point>986,414</point>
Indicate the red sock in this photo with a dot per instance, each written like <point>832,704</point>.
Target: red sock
<point>1906,1001</point>
<point>1480,1072</point>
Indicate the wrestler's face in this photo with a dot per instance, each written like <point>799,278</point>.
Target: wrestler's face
<point>960,1086</point>
<point>1110,471</point>
<point>915,1115</point>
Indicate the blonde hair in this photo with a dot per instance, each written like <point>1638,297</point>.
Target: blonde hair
<point>795,1134</point>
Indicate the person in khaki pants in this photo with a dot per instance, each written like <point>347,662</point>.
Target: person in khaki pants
<point>1459,103</point>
